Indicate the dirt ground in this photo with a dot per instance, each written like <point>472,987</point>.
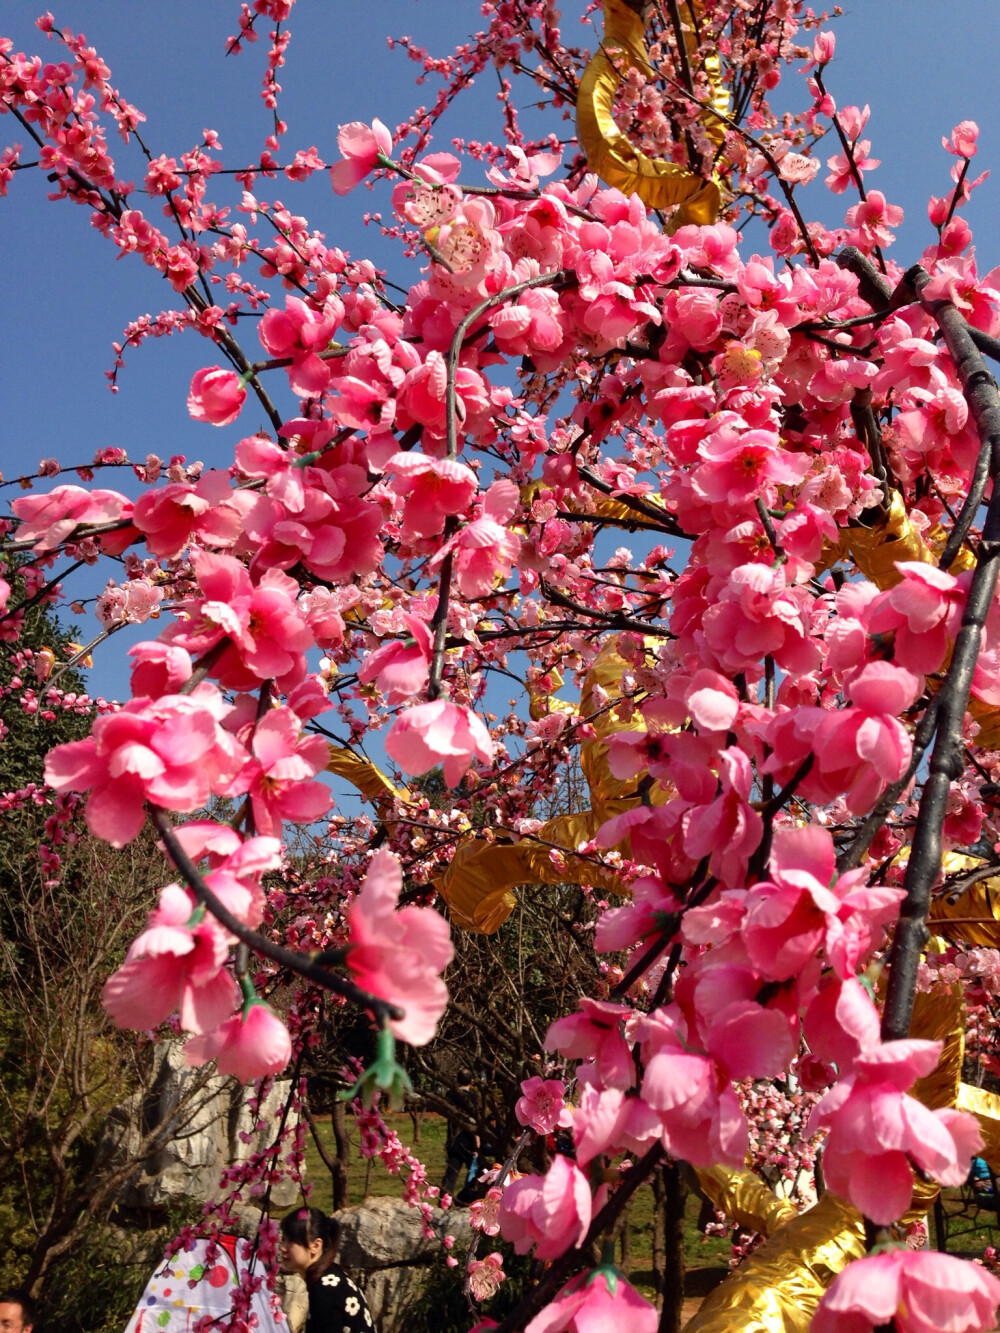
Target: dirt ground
<point>691,1307</point>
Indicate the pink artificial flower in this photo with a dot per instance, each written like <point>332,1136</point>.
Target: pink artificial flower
<point>623,927</point>
<point>439,733</point>
<point>700,1115</point>
<point>917,1291</point>
<point>609,1120</point>
<point>599,1031</point>
<point>541,1105</point>
<point>171,751</point>
<point>824,45</point>
<point>435,489</point>
<point>551,1212</point>
<point>596,1303</point>
<point>361,146</point>
<point>216,396</point>
<point>178,963</point>
<point>861,749</point>
<point>805,906</point>
<point>872,219</point>
<point>484,550</point>
<point>401,666</point>
<point>841,1022</point>
<point>841,171</point>
<point>876,1130</point>
<point>742,466</point>
<point>267,634</point>
<point>251,1044</point>
<point>283,762</point>
<point>300,333</point>
<point>170,516</point>
<point>399,955</point>
<point>923,612</point>
<point>48,520</point>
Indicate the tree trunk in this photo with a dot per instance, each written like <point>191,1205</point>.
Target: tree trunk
<point>675,1197</point>
<point>338,1172</point>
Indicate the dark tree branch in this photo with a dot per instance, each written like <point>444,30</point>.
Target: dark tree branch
<point>299,963</point>
<point>946,763</point>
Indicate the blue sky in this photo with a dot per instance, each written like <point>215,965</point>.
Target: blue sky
<point>921,65</point>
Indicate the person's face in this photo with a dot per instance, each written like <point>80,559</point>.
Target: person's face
<point>12,1318</point>
<point>295,1258</point>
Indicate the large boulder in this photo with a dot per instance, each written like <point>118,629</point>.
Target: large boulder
<point>384,1247</point>
<point>214,1129</point>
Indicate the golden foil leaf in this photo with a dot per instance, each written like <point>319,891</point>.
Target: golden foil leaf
<point>985,1106</point>
<point>745,1198</point>
<point>477,884</point>
<point>370,781</point>
<point>778,1288</point>
<point>657,182</point>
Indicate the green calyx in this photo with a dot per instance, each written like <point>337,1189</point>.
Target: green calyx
<point>606,1269</point>
<point>250,996</point>
<point>383,1074</point>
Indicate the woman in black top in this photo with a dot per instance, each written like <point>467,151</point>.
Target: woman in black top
<point>309,1245</point>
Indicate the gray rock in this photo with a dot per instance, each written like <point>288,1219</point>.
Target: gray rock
<point>388,1233</point>
<point>215,1131</point>
<point>384,1248</point>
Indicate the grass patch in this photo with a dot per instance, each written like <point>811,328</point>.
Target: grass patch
<point>370,1179</point>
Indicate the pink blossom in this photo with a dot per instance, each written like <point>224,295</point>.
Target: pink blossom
<point>484,1213</point>
<point>805,907</point>
<point>482,552</point>
<point>435,489</point>
<point>963,139</point>
<point>596,1303</point>
<point>917,1291</point>
<point>610,1120</point>
<point>360,146</point>
<point>598,1031</point>
<point>251,1044</point>
<point>859,750</point>
<point>876,1130</point>
<point>485,1276</point>
<point>841,1023</point>
<point>824,45</point>
<point>699,1113</point>
<point>399,955</point>
<point>551,1212</point>
<point>176,964</point>
<point>171,751</point>
<point>278,776</point>
<point>923,612</point>
<point>216,396</point>
<point>48,520</point>
<point>740,467</point>
<point>267,634</point>
<point>439,733</point>
<point>872,219</point>
<point>541,1105</point>
<point>170,516</point>
<point>300,333</point>
<point>401,666</point>
<point>158,669</point>
<point>622,927</point>
<point>842,171</point>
